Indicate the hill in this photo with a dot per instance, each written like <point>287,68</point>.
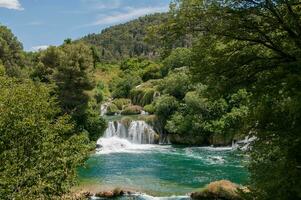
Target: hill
<point>126,40</point>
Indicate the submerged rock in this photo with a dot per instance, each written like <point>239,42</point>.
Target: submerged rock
<point>223,190</point>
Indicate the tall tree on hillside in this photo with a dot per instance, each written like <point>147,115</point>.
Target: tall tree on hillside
<point>11,52</point>
<point>69,68</point>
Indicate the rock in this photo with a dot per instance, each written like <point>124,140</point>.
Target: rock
<point>98,146</point>
<point>223,189</point>
<point>106,194</point>
<point>117,192</point>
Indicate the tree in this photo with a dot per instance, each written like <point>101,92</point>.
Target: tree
<point>39,149</point>
<point>179,57</point>
<point>72,77</point>
<point>253,45</point>
<point>11,52</point>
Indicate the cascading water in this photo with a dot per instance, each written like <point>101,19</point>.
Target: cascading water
<point>119,137</point>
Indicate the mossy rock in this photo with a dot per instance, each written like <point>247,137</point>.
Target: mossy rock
<point>142,96</point>
<point>132,110</point>
<point>121,103</point>
<point>112,109</point>
<point>223,189</point>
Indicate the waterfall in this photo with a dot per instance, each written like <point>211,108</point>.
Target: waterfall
<point>138,132</point>
<point>121,137</point>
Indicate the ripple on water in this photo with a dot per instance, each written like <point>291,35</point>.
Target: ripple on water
<point>162,170</point>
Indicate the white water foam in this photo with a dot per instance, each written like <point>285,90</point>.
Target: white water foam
<point>119,145</point>
<point>118,137</point>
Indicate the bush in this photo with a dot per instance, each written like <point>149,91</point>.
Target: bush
<point>112,109</point>
<point>99,97</point>
<point>142,96</point>
<point>179,57</point>
<point>121,102</point>
<point>165,106</point>
<point>94,123</point>
<point>153,71</point>
<point>131,110</point>
<point>121,87</point>
<point>176,84</point>
<point>150,108</point>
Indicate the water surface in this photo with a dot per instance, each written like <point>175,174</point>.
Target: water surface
<point>162,170</point>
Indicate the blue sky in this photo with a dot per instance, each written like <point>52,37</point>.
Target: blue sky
<point>39,23</point>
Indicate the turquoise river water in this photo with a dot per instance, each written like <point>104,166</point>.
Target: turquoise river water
<point>162,170</point>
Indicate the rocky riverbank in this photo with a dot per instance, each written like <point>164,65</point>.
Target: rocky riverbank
<point>222,189</point>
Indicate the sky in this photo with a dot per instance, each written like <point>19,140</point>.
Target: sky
<point>40,23</point>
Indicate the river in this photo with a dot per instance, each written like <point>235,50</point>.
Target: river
<point>165,171</point>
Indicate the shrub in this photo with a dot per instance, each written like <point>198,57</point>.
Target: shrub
<point>112,109</point>
<point>142,96</point>
<point>131,110</point>
<point>165,106</point>
<point>150,108</point>
<point>121,102</point>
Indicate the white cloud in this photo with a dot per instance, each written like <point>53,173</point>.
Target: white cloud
<point>39,48</point>
<point>103,4</point>
<point>11,4</point>
<point>131,13</point>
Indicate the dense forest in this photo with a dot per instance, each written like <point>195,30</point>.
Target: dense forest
<point>207,72</point>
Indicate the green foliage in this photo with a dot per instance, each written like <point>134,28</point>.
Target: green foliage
<point>150,108</point>
<point>112,109</point>
<point>11,52</point>
<point>177,84</point>
<point>142,96</point>
<point>69,68</point>
<point>39,150</point>
<point>121,87</point>
<point>131,110</point>
<point>152,71</point>
<point>179,57</point>
<point>2,70</point>
<point>121,103</point>
<point>125,40</point>
<point>165,106</point>
<point>94,124</point>
<point>99,92</point>
<point>211,118</point>
<point>254,46</point>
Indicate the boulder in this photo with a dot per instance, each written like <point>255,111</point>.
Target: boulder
<point>223,190</point>
<point>105,194</point>
<point>117,192</point>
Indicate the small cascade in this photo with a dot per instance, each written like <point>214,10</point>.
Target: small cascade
<point>244,144</point>
<point>103,109</point>
<point>137,132</point>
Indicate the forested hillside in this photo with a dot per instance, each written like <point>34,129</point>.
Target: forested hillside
<point>129,39</point>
